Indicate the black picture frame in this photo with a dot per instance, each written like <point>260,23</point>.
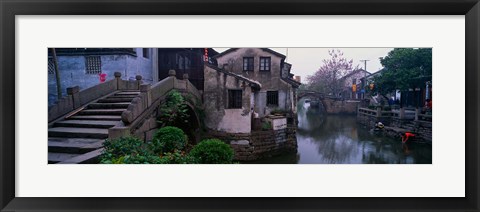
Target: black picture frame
<point>11,8</point>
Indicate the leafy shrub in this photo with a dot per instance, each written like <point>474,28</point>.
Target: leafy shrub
<point>212,151</point>
<point>266,125</point>
<point>115,148</point>
<point>179,157</point>
<point>140,159</point>
<point>174,110</point>
<point>168,139</point>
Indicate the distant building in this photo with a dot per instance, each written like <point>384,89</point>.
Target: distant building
<point>353,85</point>
<point>83,66</point>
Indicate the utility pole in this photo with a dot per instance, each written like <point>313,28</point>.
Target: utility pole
<point>365,77</point>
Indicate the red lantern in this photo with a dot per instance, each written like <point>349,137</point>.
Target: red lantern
<point>103,77</point>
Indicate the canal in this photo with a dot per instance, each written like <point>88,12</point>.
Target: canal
<point>337,139</point>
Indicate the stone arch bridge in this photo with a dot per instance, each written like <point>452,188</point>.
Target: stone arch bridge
<point>80,122</point>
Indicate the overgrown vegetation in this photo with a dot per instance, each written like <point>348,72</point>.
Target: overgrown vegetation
<point>266,125</point>
<point>174,111</point>
<point>167,147</point>
<point>212,151</point>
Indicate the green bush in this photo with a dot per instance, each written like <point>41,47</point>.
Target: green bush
<point>168,139</point>
<point>174,110</point>
<point>121,150</point>
<point>266,125</point>
<point>212,151</point>
<point>178,157</point>
<point>115,148</point>
<point>140,159</point>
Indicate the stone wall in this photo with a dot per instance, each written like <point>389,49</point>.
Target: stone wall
<point>259,144</point>
<point>421,128</point>
<point>215,97</point>
<point>340,106</point>
<point>394,126</point>
<point>370,121</point>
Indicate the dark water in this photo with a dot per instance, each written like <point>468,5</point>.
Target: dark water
<point>338,139</point>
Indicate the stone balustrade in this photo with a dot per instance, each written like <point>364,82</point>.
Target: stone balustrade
<point>77,98</point>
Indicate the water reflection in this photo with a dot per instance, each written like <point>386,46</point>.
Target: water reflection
<point>340,140</point>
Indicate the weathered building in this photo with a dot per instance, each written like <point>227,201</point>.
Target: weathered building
<point>86,67</point>
<point>239,95</point>
<point>269,69</point>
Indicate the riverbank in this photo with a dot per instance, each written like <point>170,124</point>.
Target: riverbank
<point>340,139</point>
<point>394,126</point>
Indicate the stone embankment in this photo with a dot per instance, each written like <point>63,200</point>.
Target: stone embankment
<point>259,144</point>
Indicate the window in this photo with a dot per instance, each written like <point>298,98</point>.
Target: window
<point>248,63</point>
<point>93,64</point>
<point>146,53</point>
<point>272,98</point>
<point>51,66</point>
<point>234,98</point>
<point>265,64</point>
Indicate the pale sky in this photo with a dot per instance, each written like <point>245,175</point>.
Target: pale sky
<point>306,61</point>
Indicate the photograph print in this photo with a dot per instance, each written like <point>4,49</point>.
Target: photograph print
<point>239,105</point>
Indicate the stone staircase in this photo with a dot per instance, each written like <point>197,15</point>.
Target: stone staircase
<point>79,137</point>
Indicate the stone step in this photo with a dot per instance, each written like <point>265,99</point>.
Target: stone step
<point>108,105</point>
<point>93,117</point>
<point>86,123</point>
<point>102,112</point>
<point>133,93</point>
<point>114,99</point>
<point>55,157</point>
<point>73,145</point>
<point>122,96</point>
<point>72,132</point>
<point>89,157</point>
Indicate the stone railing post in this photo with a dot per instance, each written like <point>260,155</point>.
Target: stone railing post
<point>117,78</point>
<point>145,90</point>
<point>417,112</point>
<point>172,73</point>
<point>74,92</point>
<point>139,81</point>
<point>185,78</point>
<point>401,115</point>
